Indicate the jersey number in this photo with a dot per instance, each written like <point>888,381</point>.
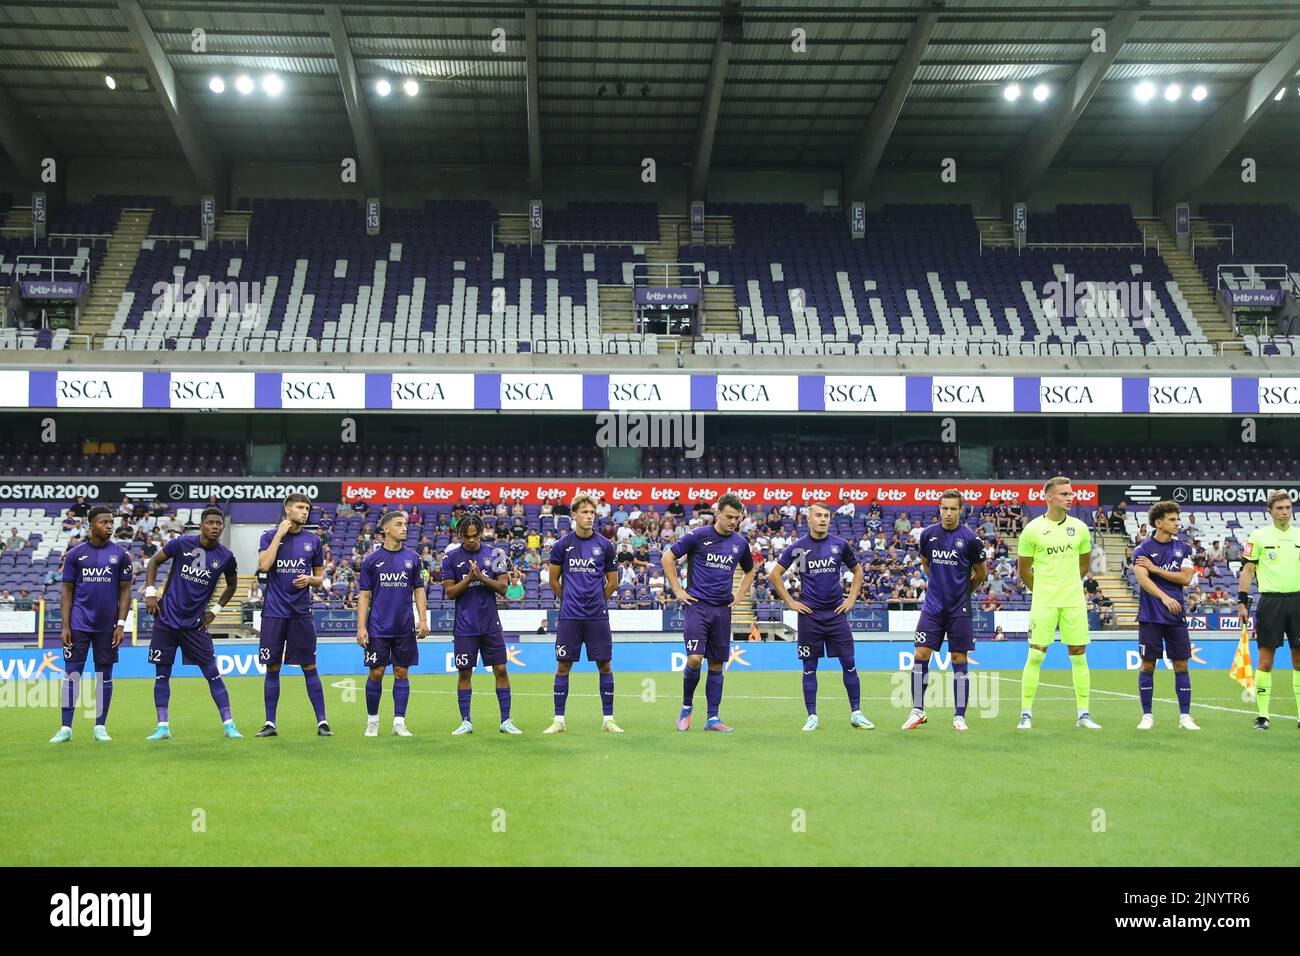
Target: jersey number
<point>155,655</point>
<point>264,653</point>
<point>371,657</point>
<point>560,650</point>
<point>692,645</point>
<point>805,650</point>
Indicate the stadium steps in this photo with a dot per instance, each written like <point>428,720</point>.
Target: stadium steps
<point>1112,581</point>
<point>665,251</point>
<point>617,313</point>
<point>1199,296</point>
<point>720,312</point>
<point>114,273</point>
<point>995,233</point>
<point>18,223</point>
<point>232,226</point>
<point>743,614</point>
<point>512,229</point>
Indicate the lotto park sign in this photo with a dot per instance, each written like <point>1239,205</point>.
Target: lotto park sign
<point>648,391</point>
<point>660,493</point>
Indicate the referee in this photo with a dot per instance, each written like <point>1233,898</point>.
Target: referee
<point>1275,551</point>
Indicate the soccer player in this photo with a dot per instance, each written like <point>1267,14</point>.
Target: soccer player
<point>819,558</point>
<point>291,559</point>
<point>583,575</point>
<point>952,557</point>
<point>712,551</point>
<point>96,594</point>
<point>1163,567</point>
<point>1054,551</point>
<point>474,579</point>
<point>1273,552</point>
<point>390,579</point>
<point>183,614</point>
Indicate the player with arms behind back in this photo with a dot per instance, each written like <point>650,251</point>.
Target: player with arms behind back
<point>819,558</point>
<point>390,579</point>
<point>474,579</point>
<point>1163,567</point>
<point>1273,553</point>
<point>292,561</point>
<point>1054,553</point>
<point>583,576</point>
<point>952,557</point>
<point>183,614</point>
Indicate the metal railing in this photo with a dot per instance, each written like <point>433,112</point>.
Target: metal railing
<point>365,345</point>
<point>1217,236</point>
<point>712,228</point>
<point>67,274</point>
<point>1281,273</point>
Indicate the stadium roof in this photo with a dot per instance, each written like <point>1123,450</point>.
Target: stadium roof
<point>617,80</point>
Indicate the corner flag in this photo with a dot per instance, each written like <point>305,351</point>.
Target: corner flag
<point>1241,670</point>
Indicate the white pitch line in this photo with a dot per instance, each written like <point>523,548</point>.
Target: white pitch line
<point>1160,700</point>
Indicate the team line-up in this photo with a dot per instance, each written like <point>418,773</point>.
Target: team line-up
<point>1053,555</point>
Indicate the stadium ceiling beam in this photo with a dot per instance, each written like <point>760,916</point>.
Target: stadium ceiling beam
<point>534,103</point>
<point>1030,159</point>
<point>26,147</point>
<point>200,151</point>
<point>1205,150</point>
<point>860,169</point>
<point>369,158</point>
<point>702,152</point>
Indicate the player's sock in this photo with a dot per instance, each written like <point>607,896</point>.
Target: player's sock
<point>1183,688</point>
<point>810,685</point>
<point>374,691</point>
<point>217,688</point>
<point>315,693</point>
<point>1146,689</point>
<point>71,684</point>
<point>1029,678</point>
<point>852,683</point>
<point>1082,680</point>
<point>1263,691</point>
<point>503,701</point>
<point>401,696</point>
<point>690,680</point>
<point>462,699</point>
<point>104,697</point>
<point>162,691</point>
<point>713,692</point>
<point>960,687</point>
<point>920,681</point>
<point>607,694</point>
<point>271,693</point>
<point>561,693</point>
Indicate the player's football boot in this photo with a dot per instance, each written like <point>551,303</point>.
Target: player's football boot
<point>859,720</point>
<point>229,729</point>
<point>399,729</point>
<point>1026,723</point>
<point>812,722</point>
<point>915,719</point>
<point>508,727</point>
<point>1147,722</point>
<point>372,727</point>
<point>959,723</point>
<point>161,732</point>
<point>465,728</point>
<point>557,727</point>
<point>1086,722</point>
<point>101,733</point>
<point>715,723</point>
<point>323,729</point>
<point>610,727</point>
<point>63,736</point>
<point>684,718</point>
<point>1186,723</point>
<point>268,730</point>
<point>1261,723</point>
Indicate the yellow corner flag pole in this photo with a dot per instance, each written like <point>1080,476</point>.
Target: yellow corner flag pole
<point>1241,670</point>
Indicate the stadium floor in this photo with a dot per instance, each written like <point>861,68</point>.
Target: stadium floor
<point>992,796</point>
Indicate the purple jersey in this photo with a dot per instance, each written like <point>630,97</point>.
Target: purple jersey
<point>819,572</point>
<point>951,554</point>
<point>476,608</point>
<point>192,580</point>
<point>300,553</point>
<point>392,578</point>
<point>711,560</point>
<point>583,564</point>
<point>1173,555</point>
<point>95,574</point>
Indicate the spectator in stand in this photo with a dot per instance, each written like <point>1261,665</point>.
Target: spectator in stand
<point>1100,520</point>
<point>1128,559</point>
<point>125,508</point>
<point>1090,584</point>
<point>999,634</point>
<point>148,547</point>
<point>6,600</point>
<point>1143,532</point>
<point>24,601</point>
<point>79,507</point>
<point>515,588</point>
<point>253,597</point>
<point>15,542</point>
<point>52,576</point>
<point>71,521</point>
<point>991,602</point>
<point>902,525</point>
<point>1105,609</point>
<point>875,515</point>
<point>124,531</point>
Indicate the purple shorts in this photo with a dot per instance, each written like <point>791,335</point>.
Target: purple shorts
<point>491,647</point>
<point>825,634</point>
<point>196,646</point>
<point>288,640</point>
<point>1155,639</point>
<point>572,635</point>
<point>83,641</point>
<point>399,651</point>
<point>708,631</point>
<point>931,628</point>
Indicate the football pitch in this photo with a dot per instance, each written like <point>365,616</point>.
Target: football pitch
<point>768,794</point>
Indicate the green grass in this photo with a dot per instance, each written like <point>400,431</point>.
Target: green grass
<point>654,796</point>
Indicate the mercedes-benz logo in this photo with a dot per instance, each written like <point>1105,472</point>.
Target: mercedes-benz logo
<point>177,492</point>
<point>1180,494</point>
